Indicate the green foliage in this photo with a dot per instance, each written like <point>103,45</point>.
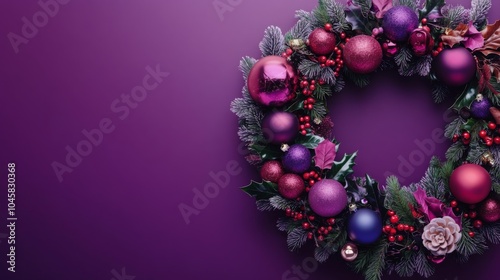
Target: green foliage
<point>466,98</point>
<point>456,152</point>
<point>491,231</point>
<point>454,127</point>
<point>266,152</point>
<point>433,180</point>
<point>479,12</point>
<point>332,244</point>
<point>456,15</point>
<point>342,169</point>
<point>399,199</point>
<point>431,6</point>
<point>263,190</point>
<point>467,245</point>
<point>322,92</point>
<point>408,3</point>
<point>310,141</point>
<point>439,92</point>
<point>359,80</point>
<point>371,261</point>
<point>296,238</point>
<point>273,42</point>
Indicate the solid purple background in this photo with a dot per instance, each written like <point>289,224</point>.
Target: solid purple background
<point>119,207</point>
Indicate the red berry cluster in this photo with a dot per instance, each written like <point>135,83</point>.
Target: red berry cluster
<point>311,177</point>
<point>321,230</point>
<point>395,230</point>
<point>465,137</point>
<point>440,46</point>
<point>308,87</point>
<point>470,213</point>
<point>334,60</point>
<point>309,103</point>
<point>305,124</point>
<point>288,52</point>
<point>490,136</point>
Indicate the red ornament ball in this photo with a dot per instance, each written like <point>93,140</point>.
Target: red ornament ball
<point>272,171</point>
<point>321,42</point>
<point>291,186</point>
<point>272,81</point>
<point>362,54</point>
<point>455,67</point>
<point>470,183</point>
<point>489,210</point>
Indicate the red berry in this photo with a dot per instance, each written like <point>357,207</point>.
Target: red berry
<point>303,132</point>
<point>399,237</point>
<point>492,125</point>
<point>329,228</point>
<point>394,219</point>
<point>472,234</point>
<point>391,238</point>
<point>306,225</point>
<point>387,229</point>
<point>310,235</point>
<point>289,51</point>
<point>311,182</point>
<point>302,127</point>
<point>489,143</point>
<point>466,141</point>
<point>307,125</point>
<point>288,211</point>
<point>453,203</point>
<point>328,27</point>
<point>466,215</point>
<point>306,176</point>
<point>342,35</point>
<point>496,140</point>
<point>312,87</point>
<point>424,21</point>
<point>311,218</point>
<point>478,223</point>
<point>466,135</point>
<point>412,229</point>
<point>393,231</point>
<point>406,227</point>
<point>472,214</point>
<point>483,133</point>
<point>331,221</point>
<point>401,227</point>
<point>390,213</point>
<point>307,118</point>
<point>455,138</point>
<point>300,216</point>
<point>322,59</point>
<point>321,238</point>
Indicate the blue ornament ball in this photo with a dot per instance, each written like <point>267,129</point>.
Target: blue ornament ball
<point>297,159</point>
<point>365,226</point>
<point>399,22</point>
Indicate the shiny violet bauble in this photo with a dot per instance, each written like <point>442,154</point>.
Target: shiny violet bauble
<point>362,54</point>
<point>480,108</point>
<point>399,22</point>
<point>470,183</point>
<point>365,226</point>
<point>489,210</point>
<point>321,42</point>
<point>272,171</point>
<point>455,67</point>
<point>297,159</point>
<point>280,127</point>
<point>327,198</point>
<point>291,186</point>
<point>272,81</point>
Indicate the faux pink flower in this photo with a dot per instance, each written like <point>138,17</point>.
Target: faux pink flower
<point>432,207</point>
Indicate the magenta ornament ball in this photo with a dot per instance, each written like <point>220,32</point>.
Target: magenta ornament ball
<point>297,159</point>
<point>321,42</point>
<point>327,198</point>
<point>291,186</point>
<point>280,127</point>
<point>362,54</point>
<point>455,67</point>
<point>470,183</point>
<point>272,171</point>
<point>272,81</point>
<point>399,22</point>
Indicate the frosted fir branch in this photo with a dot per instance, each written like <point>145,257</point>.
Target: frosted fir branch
<point>303,15</point>
<point>250,116</point>
<point>476,150</point>
<point>454,15</point>
<point>491,231</point>
<point>432,182</point>
<point>405,265</point>
<point>467,245</point>
<point>422,265</point>
<point>322,253</point>
<point>296,238</point>
<point>319,110</point>
<point>423,67</point>
<point>336,12</point>
<point>264,205</point>
<point>327,75</point>
<point>273,42</point>
<point>339,84</point>
<point>364,5</point>
<point>246,64</point>
<point>413,4</point>
<point>403,58</point>
<point>280,203</point>
<point>300,30</point>
<point>455,152</point>
<point>453,127</point>
<point>439,92</point>
<point>285,224</point>
<point>310,69</point>
<point>479,12</point>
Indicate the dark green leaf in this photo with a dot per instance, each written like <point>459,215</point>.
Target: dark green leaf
<point>466,98</point>
<point>264,190</point>
<point>342,169</point>
<point>295,106</point>
<point>431,9</point>
<point>310,141</point>
<point>267,152</point>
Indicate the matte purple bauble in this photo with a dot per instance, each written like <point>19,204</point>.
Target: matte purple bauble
<point>455,67</point>
<point>327,198</point>
<point>321,42</point>
<point>480,108</point>
<point>272,81</point>
<point>272,171</point>
<point>365,226</point>
<point>297,159</point>
<point>291,186</point>
<point>399,22</point>
<point>470,183</point>
<point>362,54</point>
<point>280,127</point>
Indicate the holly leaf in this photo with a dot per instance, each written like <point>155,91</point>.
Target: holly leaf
<point>295,106</point>
<point>381,7</point>
<point>354,16</point>
<point>342,169</point>
<point>466,98</point>
<point>309,141</point>
<point>432,10</point>
<point>324,155</point>
<point>264,190</point>
<point>266,152</point>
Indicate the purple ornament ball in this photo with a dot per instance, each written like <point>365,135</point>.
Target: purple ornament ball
<point>272,171</point>
<point>291,186</point>
<point>399,22</point>
<point>327,198</point>
<point>455,67</point>
<point>280,127</point>
<point>297,159</point>
<point>321,42</point>
<point>272,81</point>
<point>470,183</point>
<point>362,54</point>
<point>480,108</point>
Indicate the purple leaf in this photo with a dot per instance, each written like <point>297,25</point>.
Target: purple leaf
<point>474,39</point>
<point>381,6</point>
<point>325,155</point>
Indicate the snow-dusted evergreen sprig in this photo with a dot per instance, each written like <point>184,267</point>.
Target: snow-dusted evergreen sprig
<point>413,4</point>
<point>454,15</point>
<point>330,12</point>
<point>273,42</point>
<point>300,30</point>
<point>479,12</point>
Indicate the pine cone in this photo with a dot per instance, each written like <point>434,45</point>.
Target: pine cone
<point>441,236</point>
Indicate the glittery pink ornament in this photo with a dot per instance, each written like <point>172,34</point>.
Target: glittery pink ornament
<point>327,198</point>
<point>362,54</point>
<point>470,183</point>
<point>291,186</point>
<point>272,171</point>
<point>321,42</point>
